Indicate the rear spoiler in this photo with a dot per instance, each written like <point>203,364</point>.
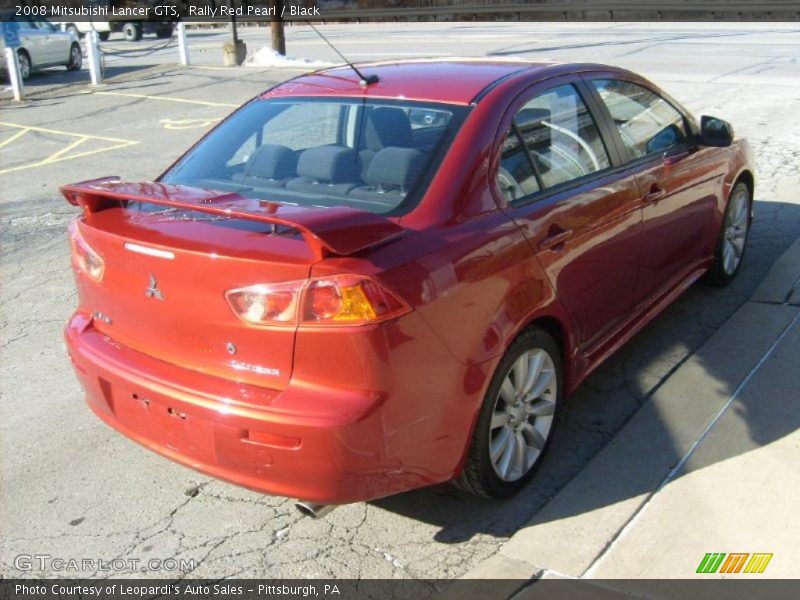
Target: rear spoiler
<point>328,231</point>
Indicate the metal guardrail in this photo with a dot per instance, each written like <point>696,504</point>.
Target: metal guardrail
<point>750,10</point>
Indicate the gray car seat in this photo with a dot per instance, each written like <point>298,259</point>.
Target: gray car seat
<point>268,166</point>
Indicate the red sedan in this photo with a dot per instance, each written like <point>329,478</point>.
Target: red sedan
<point>354,287</point>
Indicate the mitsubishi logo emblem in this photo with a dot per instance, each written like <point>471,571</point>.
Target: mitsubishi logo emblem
<point>152,290</point>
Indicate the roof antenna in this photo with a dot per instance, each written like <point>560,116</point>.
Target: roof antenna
<point>364,80</point>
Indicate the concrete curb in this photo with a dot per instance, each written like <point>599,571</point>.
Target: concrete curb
<point>578,526</point>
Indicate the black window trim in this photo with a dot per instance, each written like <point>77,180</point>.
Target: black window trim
<point>601,122</point>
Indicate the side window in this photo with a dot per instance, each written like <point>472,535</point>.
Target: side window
<point>646,122</point>
<point>561,136</point>
<point>515,177</point>
<point>304,125</point>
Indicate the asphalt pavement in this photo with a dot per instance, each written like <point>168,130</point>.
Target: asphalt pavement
<point>72,488</point>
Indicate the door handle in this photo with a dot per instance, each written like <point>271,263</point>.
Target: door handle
<point>554,241</point>
<point>654,195</point>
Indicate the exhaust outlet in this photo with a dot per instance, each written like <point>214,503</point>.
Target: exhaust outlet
<point>315,511</point>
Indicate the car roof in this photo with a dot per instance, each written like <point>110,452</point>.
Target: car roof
<point>451,80</point>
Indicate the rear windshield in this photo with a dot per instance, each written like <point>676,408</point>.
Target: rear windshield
<point>373,155</point>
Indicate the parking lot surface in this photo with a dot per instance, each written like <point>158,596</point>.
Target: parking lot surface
<point>73,488</point>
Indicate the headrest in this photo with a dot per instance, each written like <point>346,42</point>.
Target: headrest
<point>332,164</point>
<point>399,167</point>
<point>272,162</point>
<point>387,126</point>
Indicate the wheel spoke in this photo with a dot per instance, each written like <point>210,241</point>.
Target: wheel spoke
<point>542,384</point>
<point>727,257</point>
<point>507,392</point>
<point>508,455</point>
<point>741,212</point>
<point>534,369</point>
<point>499,444</point>
<point>519,454</point>
<point>542,408</point>
<point>499,418</point>
<point>534,435</point>
<point>520,373</point>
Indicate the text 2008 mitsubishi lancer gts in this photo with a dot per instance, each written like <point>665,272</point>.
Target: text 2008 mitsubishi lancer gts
<point>351,288</point>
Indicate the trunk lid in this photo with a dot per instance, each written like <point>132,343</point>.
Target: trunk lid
<point>170,253</point>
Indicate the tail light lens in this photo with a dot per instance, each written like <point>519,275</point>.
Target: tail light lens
<point>337,300</point>
<point>349,300</point>
<point>267,304</point>
<point>89,261</point>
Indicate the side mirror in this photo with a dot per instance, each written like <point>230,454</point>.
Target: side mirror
<point>715,132</point>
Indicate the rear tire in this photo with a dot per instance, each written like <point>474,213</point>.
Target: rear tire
<point>75,58</point>
<point>732,240</point>
<point>517,419</point>
<point>104,35</point>
<point>164,31</point>
<point>25,66</point>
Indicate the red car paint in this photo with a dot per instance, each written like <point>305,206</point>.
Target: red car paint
<point>352,413</point>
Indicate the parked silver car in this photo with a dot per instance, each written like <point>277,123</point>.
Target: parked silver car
<point>43,44</point>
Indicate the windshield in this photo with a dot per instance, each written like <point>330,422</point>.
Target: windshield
<point>372,155</point>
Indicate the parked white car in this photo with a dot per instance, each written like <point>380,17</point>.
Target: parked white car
<point>43,44</point>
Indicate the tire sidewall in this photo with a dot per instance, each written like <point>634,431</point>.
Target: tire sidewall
<point>490,481</point>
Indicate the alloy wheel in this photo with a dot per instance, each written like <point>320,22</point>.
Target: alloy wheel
<point>523,414</point>
<point>735,236</point>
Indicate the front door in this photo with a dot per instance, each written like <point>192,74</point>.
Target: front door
<point>676,182</point>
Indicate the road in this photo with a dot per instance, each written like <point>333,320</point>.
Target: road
<point>72,488</point>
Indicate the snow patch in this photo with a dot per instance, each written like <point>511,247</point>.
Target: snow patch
<point>267,57</point>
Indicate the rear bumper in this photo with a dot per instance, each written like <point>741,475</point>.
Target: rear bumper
<point>334,453</point>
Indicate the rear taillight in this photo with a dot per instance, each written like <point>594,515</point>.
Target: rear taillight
<point>349,300</point>
<point>336,300</point>
<point>267,304</point>
<point>89,261</point>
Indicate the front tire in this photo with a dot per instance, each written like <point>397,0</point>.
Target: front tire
<point>732,237</point>
<point>517,418</point>
<point>132,32</point>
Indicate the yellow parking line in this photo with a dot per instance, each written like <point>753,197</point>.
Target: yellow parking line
<point>20,133</point>
<point>167,99</point>
<point>56,155</point>
<point>69,133</point>
<point>59,155</point>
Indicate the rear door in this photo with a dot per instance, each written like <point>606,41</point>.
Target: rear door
<point>580,213</point>
<point>677,180</point>
<point>33,40</point>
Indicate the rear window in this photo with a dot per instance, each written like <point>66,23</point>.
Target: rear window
<point>372,155</point>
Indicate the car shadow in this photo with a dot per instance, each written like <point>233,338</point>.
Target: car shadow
<point>614,393</point>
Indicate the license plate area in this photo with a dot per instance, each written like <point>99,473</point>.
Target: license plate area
<point>166,425</point>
